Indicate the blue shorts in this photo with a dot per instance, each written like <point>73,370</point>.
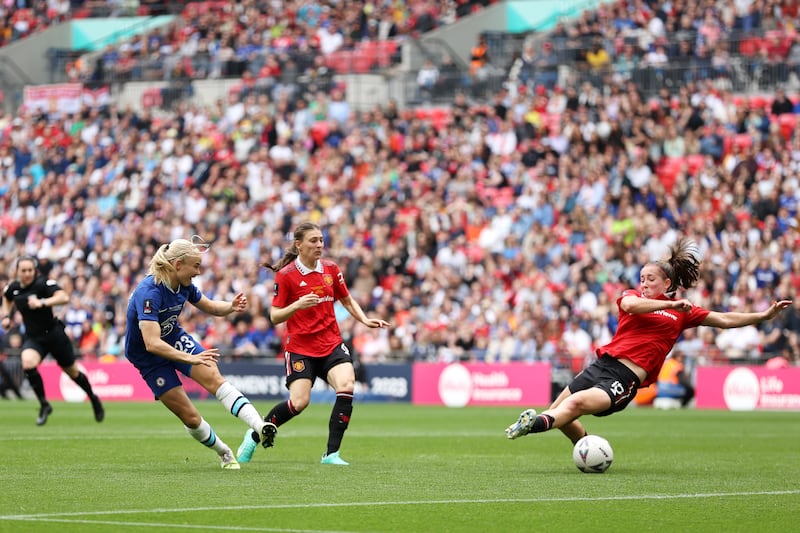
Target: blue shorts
<point>161,374</point>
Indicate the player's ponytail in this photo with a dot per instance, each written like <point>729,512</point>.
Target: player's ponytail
<point>292,253</point>
<point>683,265</point>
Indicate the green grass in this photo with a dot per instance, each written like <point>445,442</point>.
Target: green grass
<point>413,469</point>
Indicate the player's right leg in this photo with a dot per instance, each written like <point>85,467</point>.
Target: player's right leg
<point>31,357</point>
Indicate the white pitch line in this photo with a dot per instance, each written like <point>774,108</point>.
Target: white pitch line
<point>164,525</point>
<point>401,503</point>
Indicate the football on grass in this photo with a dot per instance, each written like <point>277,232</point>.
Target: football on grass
<point>592,454</point>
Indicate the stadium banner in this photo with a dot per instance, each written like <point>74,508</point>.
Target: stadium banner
<point>267,381</point>
<point>62,97</point>
<point>120,381</point>
<point>96,98</point>
<point>747,388</point>
<point>462,384</point>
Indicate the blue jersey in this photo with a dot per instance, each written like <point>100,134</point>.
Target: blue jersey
<point>159,303</point>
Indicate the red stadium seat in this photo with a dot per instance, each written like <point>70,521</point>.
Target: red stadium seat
<point>385,50</point>
<point>362,63</point>
<point>757,101</point>
<point>340,61</point>
<point>668,170</point>
<point>743,140</point>
<point>695,162</point>
<point>727,144</point>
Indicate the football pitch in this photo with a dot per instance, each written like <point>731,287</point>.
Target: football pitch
<point>413,469</point>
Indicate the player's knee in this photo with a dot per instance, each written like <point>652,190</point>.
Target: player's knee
<point>300,402</point>
<point>191,420</point>
<point>30,359</point>
<point>581,404</point>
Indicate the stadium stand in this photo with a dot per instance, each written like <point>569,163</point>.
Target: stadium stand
<point>519,204</point>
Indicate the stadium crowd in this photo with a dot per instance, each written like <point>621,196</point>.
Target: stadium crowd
<point>492,235</point>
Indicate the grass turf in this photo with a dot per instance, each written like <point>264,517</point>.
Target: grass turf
<point>413,469</point>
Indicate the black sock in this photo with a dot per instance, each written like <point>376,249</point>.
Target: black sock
<point>340,418</point>
<point>35,379</point>
<point>579,438</point>
<point>83,382</point>
<point>281,413</point>
<point>542,423</point>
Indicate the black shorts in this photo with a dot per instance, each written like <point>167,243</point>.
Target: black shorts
<point>608,374</point>
<point>304,367</point>
<point>55,342</point>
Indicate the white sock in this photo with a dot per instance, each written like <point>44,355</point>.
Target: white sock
<point>205,435</point>
<point>239,406</point>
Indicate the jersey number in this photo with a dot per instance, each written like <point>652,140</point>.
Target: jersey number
<point>185,344</point>
<point>617,388</point>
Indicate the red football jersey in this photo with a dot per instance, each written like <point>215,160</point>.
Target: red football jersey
<point>647,338</point>
<point>314,331</point>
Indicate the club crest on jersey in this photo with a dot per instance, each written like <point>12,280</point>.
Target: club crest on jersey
<point>299,366</point>
<point>328,279</point>
<point>148,307</point>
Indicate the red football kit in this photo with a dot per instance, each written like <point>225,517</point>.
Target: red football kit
<point>314,331</point>
<point>647,338</point>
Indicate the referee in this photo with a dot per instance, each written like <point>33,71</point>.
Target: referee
<point>34,296</point>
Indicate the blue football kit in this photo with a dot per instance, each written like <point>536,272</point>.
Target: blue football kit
<point>159,303</point>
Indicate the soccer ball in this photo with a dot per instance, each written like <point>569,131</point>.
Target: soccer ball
<point>592,454</point>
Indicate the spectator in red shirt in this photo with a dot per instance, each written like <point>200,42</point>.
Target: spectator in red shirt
<point>306,288</point>
<point>650,322</point>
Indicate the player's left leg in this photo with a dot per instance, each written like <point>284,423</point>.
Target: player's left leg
<point>342,378</point>
<point>177,401</point>
<point>235,402</point>
<point>60,345</point>
<point>562,414</point>
<point>83,382</point>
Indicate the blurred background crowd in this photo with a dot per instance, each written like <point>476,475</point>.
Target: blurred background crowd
<point>500,225</point>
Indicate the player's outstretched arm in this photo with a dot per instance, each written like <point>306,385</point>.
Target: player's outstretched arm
<point>735,319</point>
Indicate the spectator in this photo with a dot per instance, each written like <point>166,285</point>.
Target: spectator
<point>673,379</point>
<point>427,79</point>
<point>576,342</point>
<point>781,104</point>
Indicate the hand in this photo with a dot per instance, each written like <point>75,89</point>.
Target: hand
<point>207,357</point>
<point>34,302</point>
<point>777,307</point>
<point>307,300</point>
<point>239,303</point>
<point>683,305</point>
<point>376,323</point>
